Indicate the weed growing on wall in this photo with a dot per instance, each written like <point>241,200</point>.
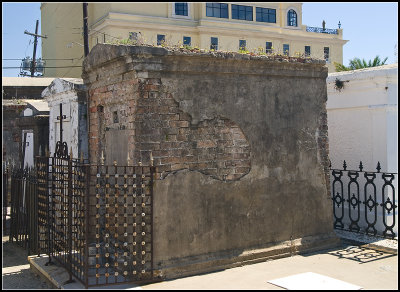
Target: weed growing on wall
<point>260,51</point>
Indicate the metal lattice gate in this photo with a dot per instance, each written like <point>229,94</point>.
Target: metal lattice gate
<point>96,220</point>
<point>122,250</point>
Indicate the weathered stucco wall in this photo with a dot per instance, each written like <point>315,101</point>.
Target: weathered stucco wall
<point>240,145</point>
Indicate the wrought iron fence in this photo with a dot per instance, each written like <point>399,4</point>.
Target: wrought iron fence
<point>62,225</point>
<point>23,227</point>
<point>6,196</point>
<point>365,201</point>
<point>321,30</point>
<point>95,220</point>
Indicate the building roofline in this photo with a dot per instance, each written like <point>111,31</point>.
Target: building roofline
<point>26,81</point>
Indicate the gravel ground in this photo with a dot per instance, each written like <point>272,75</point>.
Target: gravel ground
<point>16,272</point>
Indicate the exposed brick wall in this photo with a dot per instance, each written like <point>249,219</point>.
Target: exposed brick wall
<point>156,125</point>
<point>103,102</point>
<point>214,147</point>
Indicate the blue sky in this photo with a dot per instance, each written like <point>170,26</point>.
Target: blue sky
<point>371,29</point>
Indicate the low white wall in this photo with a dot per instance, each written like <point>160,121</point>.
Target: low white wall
<point>362,118</point>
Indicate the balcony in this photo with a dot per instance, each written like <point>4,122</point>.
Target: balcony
<point>321,30</point>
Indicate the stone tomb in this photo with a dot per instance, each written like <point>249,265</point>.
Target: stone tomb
<point>239,142</point>
<point>71,93</point>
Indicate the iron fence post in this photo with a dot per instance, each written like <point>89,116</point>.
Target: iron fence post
<point>50,211</point>
<point>70,196</point>
<point>86,236</point>
<point>152,172</point>
<point>5,198</point>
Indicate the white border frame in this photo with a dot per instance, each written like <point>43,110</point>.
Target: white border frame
<point>286,18</point>
<point>173,15</point>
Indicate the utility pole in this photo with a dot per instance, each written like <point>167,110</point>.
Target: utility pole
<point>34,46</point>
<point>85,29</point>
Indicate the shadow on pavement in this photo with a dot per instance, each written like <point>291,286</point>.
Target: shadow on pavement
<point>360,254</point>
<point>354,251</point>
<point>16,272</point>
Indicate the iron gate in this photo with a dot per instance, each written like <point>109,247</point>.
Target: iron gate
<point>23,227</point>
<point>95,220</point>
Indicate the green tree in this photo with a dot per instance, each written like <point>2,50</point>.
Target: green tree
<point>357,63</point>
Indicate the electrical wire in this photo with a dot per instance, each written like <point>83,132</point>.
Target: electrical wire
<point>43,67</point>
<point>70,59</point>
<point>71,68</point>
<point>103,33</point>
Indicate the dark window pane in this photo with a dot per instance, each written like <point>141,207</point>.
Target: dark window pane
<point>187,41</point>
<point>209,11</point>
<point>307,51</point>
<point>265,15</point>
<point>286,49</point>
<point>268,47</point>
<point>242,12</point>
<point>160,39</point>
<point>258,15</point>
<point>219,10</point>
<point>326,53</point>
<point>181,9</point>
<point>224,10</point>
<point>292,18</point>
<point>242,45</point>
<point>214,44</point>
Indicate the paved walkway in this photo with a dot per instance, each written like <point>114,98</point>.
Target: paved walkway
<point>372,266</point>
<point>16,272</point>
<point>358,265</point>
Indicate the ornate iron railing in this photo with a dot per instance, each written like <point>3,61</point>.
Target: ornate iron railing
<point>364,201</point>
<point>321,30</point>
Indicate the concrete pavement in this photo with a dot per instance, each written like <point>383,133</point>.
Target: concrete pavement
<point>369,267</point>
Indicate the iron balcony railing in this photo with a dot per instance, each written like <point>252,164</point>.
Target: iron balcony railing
<point>365,201</point>
<point>321,30</point>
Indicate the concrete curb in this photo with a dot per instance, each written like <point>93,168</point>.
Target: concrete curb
<point>58,276</point>
<point>38,270</point>
<point>368,241</point>
<point>54,273</point>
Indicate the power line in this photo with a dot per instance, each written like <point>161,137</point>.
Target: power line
<point>91,29</point>
<point>66,73</point>
<point>71,59</point>
<point>43,67</point>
